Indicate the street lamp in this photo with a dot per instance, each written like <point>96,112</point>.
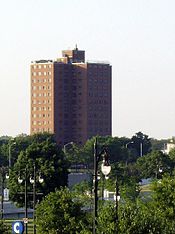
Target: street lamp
<point>117,199</point>
<point>126,146</point>
<point>20,180</point>
<point>64,146</point>
<point>3,171</point>
<point>32,180</point>
<point>10,158</point>
<point>140,145</point>
<point>105,168</point>
<point>141,149</point>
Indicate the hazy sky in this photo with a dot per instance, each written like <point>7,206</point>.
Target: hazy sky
<point>136,36</point>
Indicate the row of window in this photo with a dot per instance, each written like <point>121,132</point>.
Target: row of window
<point>42,80</point>
<point>98,131</point>
<point>42,73</point>
<point>98,79</point>
<point>98,66</point>
<point>100,112</point>
<point>44,87</point>
<point>98,101</point>
<point>44,108</point>
<point>41,122</point>
<point>100,108</point>
<point>41,115</point>
<point>98,123</point>
<point>41,94</point>
<point>42,66</point>
<point>100,94</point>
<point>41,101</point>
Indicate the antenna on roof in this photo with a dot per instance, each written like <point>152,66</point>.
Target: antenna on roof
<point>76,48</point>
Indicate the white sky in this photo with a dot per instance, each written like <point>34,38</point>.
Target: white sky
<point>136,36</point>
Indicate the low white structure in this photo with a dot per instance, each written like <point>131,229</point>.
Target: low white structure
<point>169,147</point>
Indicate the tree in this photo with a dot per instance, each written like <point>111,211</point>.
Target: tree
<point>172,158</point>
<point>61,213</point>
<point>159,144</point>
<point>164,197</point>
<point>142,143</point>
<point>115,146</point>
<point>50,163</point>
<point>139,218</point>
<point>153,165</point>
<point>106,219</point>
<point>74,155</point>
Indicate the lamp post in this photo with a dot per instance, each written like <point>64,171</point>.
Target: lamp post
<point>64,146</point>
<point>10,157</point>
<point>126,146</point>
<point>117,198</point>
<point>141,149</point>
<point>32,181</point>
<point>20,180</point>
<point>105,168</point>
<point>3,177</point>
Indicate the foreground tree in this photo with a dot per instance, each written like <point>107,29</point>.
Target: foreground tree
<point>50,164</point>
<point>164,197</point>
<point>60,213</point>
<point>139,218</point>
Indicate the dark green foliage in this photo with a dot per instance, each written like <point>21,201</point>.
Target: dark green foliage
<point>159,144</point>
<point>106,219</point>
<point>141,142</point>
<point>60,213</point>
<point>115,146</point>
<point>164,196</point>
<point>138,218</point>
<point>50,163</point>
<point>4,229</point>
<point>154,165</point>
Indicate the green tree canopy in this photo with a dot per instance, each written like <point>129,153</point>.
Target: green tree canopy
<point>50,163</point>
<point>142,143</point>
<point>61,213</point>
<point>153,165</point>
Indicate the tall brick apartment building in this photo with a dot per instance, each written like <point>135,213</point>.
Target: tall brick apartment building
<point>71,98</point>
